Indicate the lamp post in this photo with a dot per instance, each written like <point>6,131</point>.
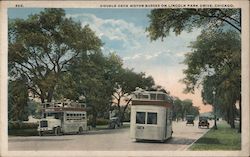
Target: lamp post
<point>215,125</point>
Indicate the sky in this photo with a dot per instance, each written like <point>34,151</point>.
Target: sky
<point>123,32</point>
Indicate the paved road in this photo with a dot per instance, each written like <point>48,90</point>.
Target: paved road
<point>118,140</point>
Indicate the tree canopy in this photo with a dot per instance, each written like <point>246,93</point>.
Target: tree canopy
<point>42,46</point>
<point>163,21</point>
<point>214,62</point>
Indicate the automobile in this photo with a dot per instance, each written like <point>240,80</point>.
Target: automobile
<point>190,119</point>
<point>114,122</point>
<point>203,122</point>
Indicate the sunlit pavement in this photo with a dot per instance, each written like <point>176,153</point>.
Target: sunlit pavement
<point>109,140</point>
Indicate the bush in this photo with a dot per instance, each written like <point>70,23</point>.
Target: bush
<point>99,121</point>
<point>23,132</point>
<point>19,125</point>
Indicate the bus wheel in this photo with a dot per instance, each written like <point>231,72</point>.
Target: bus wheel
<point>57,131</point>
<point>80,130</point>
<point>112,126</point>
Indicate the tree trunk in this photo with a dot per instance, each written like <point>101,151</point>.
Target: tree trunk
<point>122,114</point>
<point>94,119</point>
<point>124,109</point>
<point>239,130</point>
<point>228,116</point>
<point>50,95</point>
<point>232,116</point>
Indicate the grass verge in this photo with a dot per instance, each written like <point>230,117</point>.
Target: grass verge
<point>224,138</point>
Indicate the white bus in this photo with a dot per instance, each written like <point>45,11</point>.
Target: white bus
<point>151,116</point>
<point>63,117</point>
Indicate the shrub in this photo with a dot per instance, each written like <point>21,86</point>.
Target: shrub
<point>99,121</point>
<point>19,125</point>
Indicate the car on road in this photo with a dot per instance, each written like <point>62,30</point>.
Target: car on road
<point>203,122</point>
<point>114,123</point>
<point>190,119</point>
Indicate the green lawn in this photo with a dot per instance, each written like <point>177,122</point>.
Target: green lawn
<point>224,138</point>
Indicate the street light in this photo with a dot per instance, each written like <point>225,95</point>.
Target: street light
<point>215,125</point>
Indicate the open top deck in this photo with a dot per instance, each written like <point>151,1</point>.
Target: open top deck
<point>63,106</point>
<point>154,98</point>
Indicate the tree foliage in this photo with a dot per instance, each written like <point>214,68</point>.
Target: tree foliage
<point>221,72</point>
<point>215,61</point>
<point>213,53</point>
<point>42,46</point>
<point>18,100</point>
<point>182,108</point>
<point>163,21</point>
<point>125,83</point>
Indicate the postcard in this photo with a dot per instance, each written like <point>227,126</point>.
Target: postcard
<point>124,78</point>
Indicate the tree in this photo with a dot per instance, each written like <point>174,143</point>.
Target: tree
<point>221,55</point>
<point>18,100</point>
<point>182,108</point>
<point>163,21</point>
<point>42,46</point>
<point>91,76</point>
<point>125,83</point>
<point>177,109</point>
<point>222,71</point>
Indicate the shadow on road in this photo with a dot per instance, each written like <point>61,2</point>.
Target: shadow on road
<point>173,140</point>
<point>107,131</point>
<point>38,139</point>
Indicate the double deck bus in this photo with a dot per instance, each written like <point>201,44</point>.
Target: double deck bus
<point>62,118</point>
<point>151,116</point>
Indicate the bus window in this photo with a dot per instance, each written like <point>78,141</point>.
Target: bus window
<point>55,115</point>
<point>160,97</point>
<point>143,96</point>
<point>153,96</point>
<point>152,118</point>
<point>140,117</point>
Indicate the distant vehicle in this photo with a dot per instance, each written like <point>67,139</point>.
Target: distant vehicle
<point>114,122</point>
<point>190,119</point>
<point>203,122</point>
<point>63,117</point>
<point>151,116</point>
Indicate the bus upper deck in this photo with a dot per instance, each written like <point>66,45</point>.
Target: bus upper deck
<point>151,98</point>
<point>63,106</point>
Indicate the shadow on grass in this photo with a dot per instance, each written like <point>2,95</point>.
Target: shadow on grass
<point>206,140</point>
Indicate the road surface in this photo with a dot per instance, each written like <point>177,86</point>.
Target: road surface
<point>109,140</point>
